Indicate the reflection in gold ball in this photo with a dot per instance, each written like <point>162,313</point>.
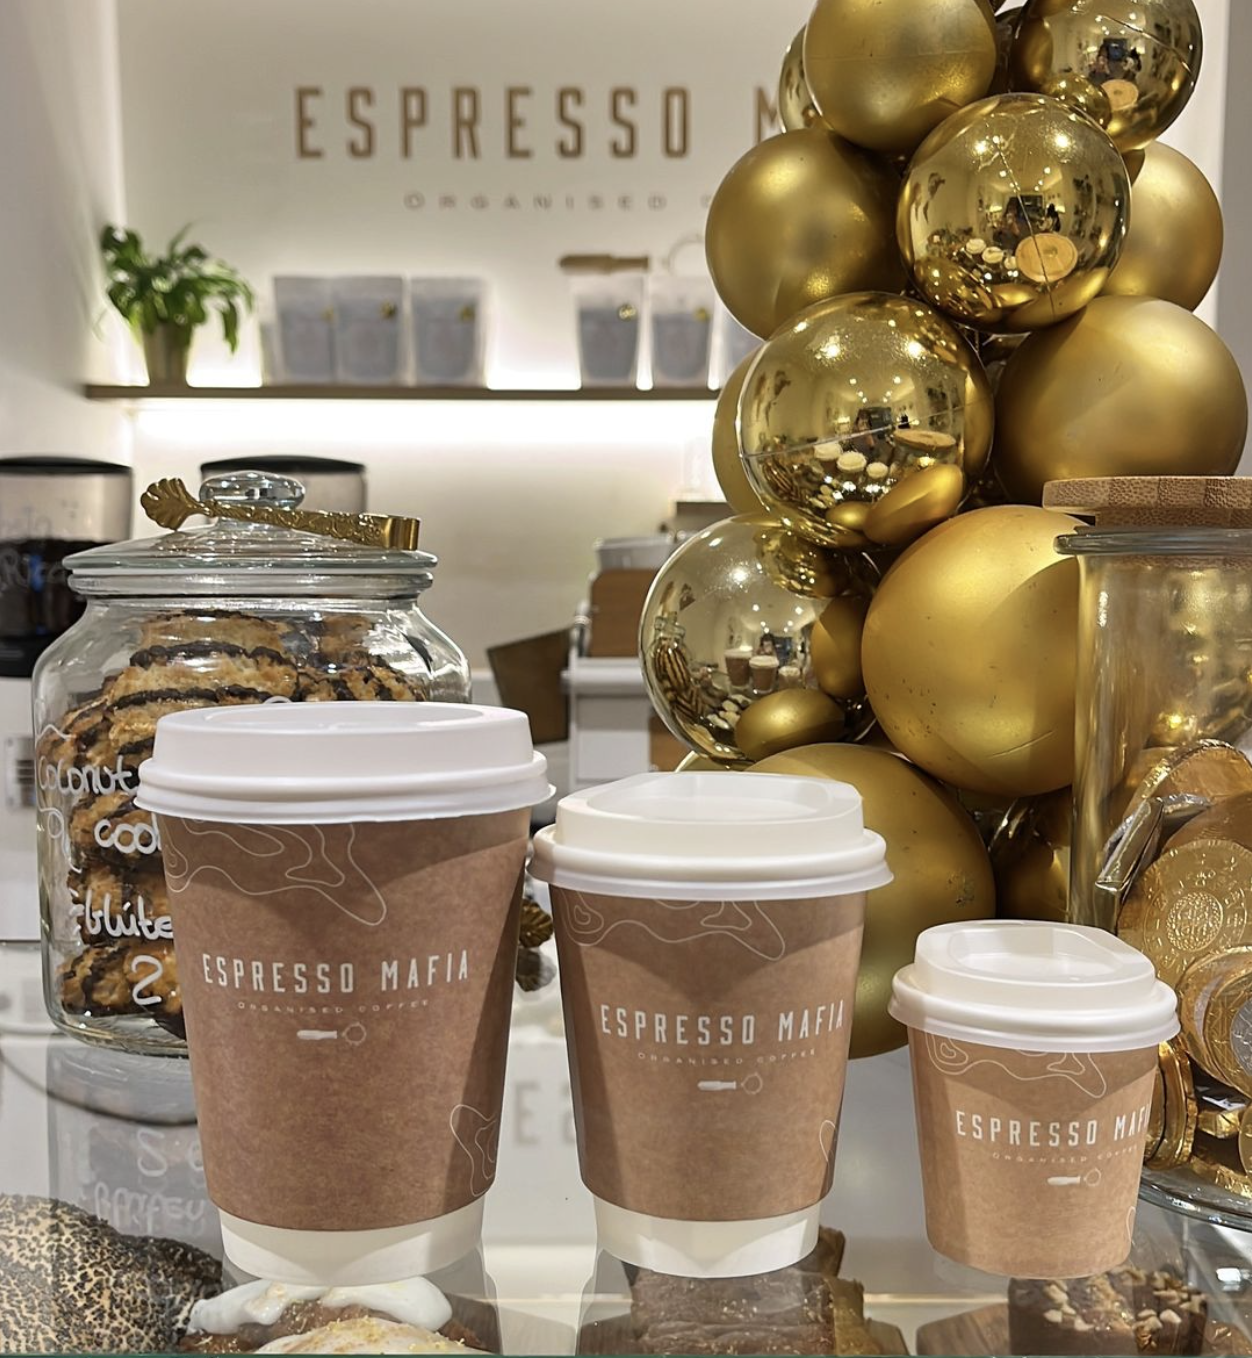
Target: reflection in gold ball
<point>800,217</point>
<point>1130,387</point>
<point>796,108</point>
<point>728,624</point>
<point>727,465</point>
<point>700,763</point>
<point>1143,54</point>
<point>787,718</point>
<point>1013,213</point>
<point>1030,858</point>
<point>848,402</point>
<point>884,75</point>
<point>1082,95</point>
<point>837,646</point>
<point>939,866</point>
<point>969,652</point>
<point>1174,245</point>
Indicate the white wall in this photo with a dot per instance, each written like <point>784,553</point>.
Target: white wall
<point>60,157</point>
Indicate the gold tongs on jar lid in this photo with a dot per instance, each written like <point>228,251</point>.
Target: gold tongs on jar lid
<point>251,497</point>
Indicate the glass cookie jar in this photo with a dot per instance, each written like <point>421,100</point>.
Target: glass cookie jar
<point>1162,849</point>
<point>259,604</point>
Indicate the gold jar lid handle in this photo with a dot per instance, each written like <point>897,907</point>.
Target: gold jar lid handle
<point>258,497</point>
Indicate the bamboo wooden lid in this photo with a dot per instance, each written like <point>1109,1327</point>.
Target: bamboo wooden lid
<point>1156,501</point>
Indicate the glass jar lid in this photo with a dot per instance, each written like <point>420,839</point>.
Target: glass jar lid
<point>249,547</point>
<point>1155,515</point>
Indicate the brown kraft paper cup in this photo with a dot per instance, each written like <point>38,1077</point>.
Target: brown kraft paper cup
<point>1030,1160</point>
<point>708,1046</point>
<point>347,992</point>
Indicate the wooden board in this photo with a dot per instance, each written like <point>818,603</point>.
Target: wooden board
<point>986,1331</point>
<point>616,1335</point>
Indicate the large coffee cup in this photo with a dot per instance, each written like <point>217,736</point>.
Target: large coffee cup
<point>1034,1050</point>
<point>709,933</point>
<point>345,885</point>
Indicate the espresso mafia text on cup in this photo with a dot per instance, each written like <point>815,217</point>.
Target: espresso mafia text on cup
<point>345,885</point>
<point>1034,1050</point>
<point>709,932</point>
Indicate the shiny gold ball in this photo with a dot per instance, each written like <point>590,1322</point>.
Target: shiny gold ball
<point>1030,858</point>
<point>915,504</point>
<point>700,763</point>
<point>1174,245</point>
<point>1013,213</point>
<point>1143,54</point>
<point>727,464</point>
<point>837,647</point>
<point>796,108</point>
<point>787,718</point>
<point>969,652</point>
<point>884,75</point>
<point>941,872</point>
<point>801,217</point>
<point>728,627</point>
<point>849,402</point>
<point>1082,95</point>
<point>1130,387</point>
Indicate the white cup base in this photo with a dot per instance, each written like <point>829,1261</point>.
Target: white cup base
<point>351,1258</point>
<point>706,1249</point>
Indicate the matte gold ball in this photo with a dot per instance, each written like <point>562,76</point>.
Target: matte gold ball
<point>796,108</point>
<point>1030,858</point>
<point>848,403</point>
<point>1174,245</point>
<point>969,652</point>
<point>939,866</point>
<point>1013,213</point>
<point>1130,387</point>
<point>727,464</point>
<point>837,647</point>
<point>801,217</point>
<point>1144,55</point>
<point>884,75</point>
<point>728,627</point>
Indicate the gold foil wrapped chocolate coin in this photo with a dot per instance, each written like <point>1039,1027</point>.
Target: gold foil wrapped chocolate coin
<point>1036,180</point>
<point>798,218</point>
<point>1143,54</point>
<point>1222,1110</point>
<point>1059,413</point>
<point>1230,819</point>
<point>941,872</point>
<point>728,625</point>
<point>1215,1008</point>
<point>1174,1092</point>
<point>884,75</point>
<point>849,402</point>
<point>1192,901</point>
<point>1219,1163</point>
<point>970,650</point>
<point>1209,769</point>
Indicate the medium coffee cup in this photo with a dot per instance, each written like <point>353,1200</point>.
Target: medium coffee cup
<point>1034,1050</point>
<point>709,932</point>
<point>345,884</point>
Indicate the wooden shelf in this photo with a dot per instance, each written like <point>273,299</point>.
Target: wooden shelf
<point>142,394</point>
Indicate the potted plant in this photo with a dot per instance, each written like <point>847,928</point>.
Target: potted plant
<point>164,298</point>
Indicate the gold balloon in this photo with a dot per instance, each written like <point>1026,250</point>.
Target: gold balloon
<point>728,626</point>
<point>727,465</point>
<point>787,718</point>
<point>1013,213</point>
<point>884,75</point>
<point>837,647</point>
<point>1143,54</point>
<point>1030,858</point>
<point>699,763</point>
<point>1130,387</point>
<point>796,108</point>
<point>941,872</point>
<point>851,400</point>
<point>801,217</point>
<point>916,504</point>
<point>969,652</point>
<point>1174,245</point>
<point>1082,95</point>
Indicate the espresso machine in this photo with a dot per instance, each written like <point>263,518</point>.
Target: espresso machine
<point>49,508</point>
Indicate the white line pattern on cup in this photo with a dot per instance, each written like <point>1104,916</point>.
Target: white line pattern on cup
<point>717,1086</point>
<point>316,1034</point>
<point>1080,1070</point>
<point>281,859</point>
<point>479,1137</point>
<point>675,922</point>
<point>827,1136</point>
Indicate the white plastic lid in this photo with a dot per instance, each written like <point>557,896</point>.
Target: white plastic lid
<point>707,836</point>
<point>296,763</point>
<point>1034,986</point>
